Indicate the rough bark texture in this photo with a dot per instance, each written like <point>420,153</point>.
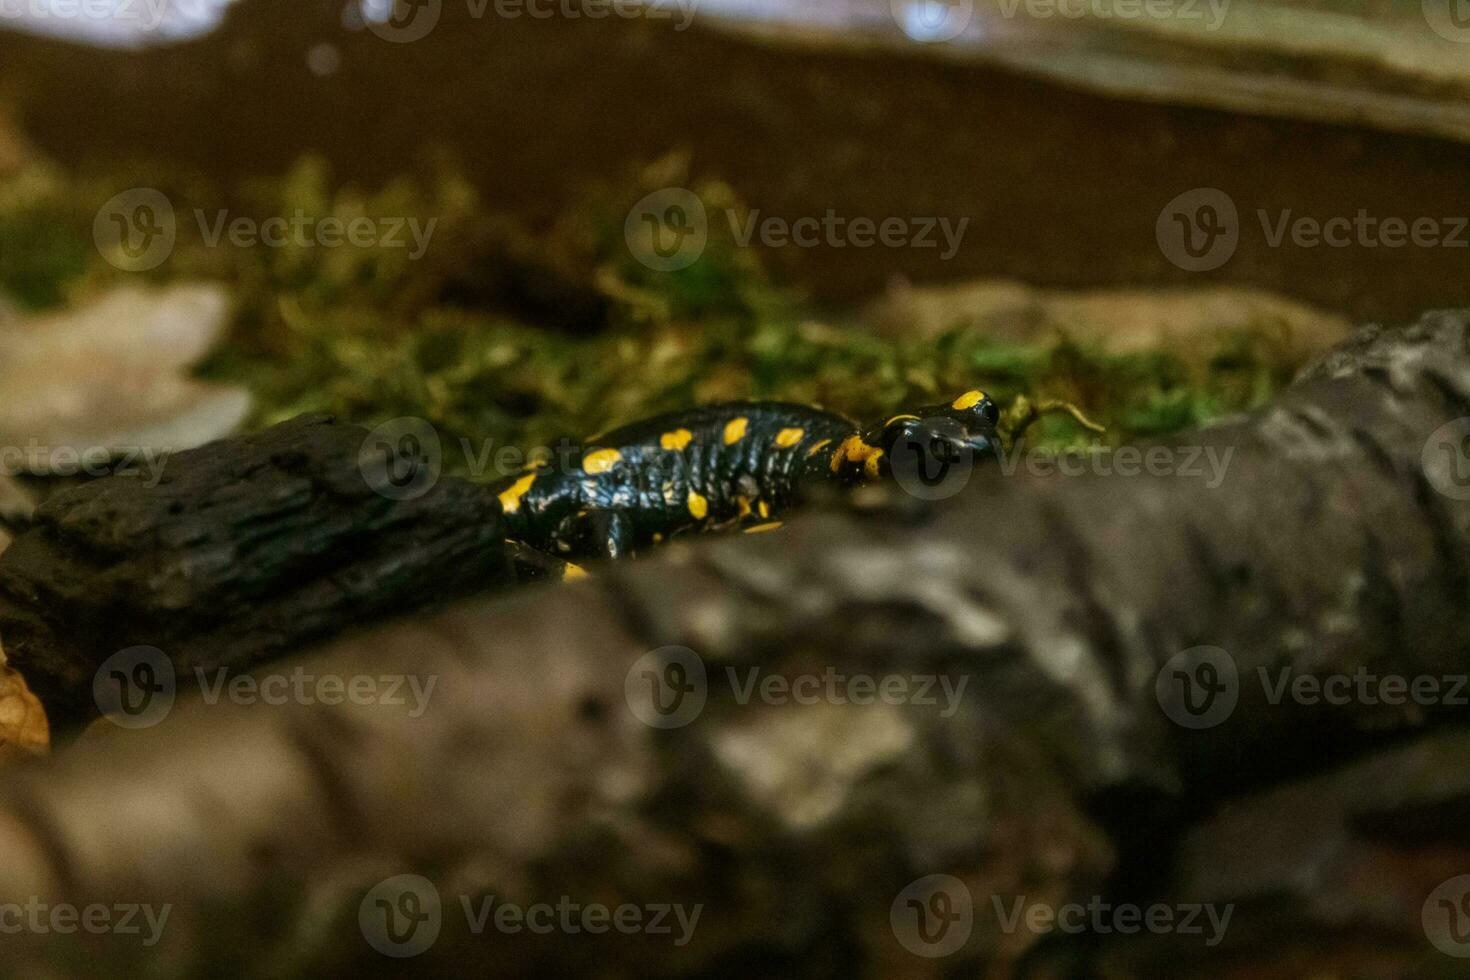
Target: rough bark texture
<point>246,548</point>
<point>1056,777</point>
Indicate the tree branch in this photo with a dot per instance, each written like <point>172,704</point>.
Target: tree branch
<point>1047,603</point>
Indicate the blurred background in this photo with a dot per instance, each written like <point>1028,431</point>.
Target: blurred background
<point>522,220</point>
<point>872,200</point>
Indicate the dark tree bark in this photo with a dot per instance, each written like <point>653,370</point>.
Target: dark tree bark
<point>1335,539</point>
<point>245,549</point>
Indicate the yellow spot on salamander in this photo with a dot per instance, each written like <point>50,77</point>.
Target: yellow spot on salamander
<point>601,460</point>
<point>900,418</point>
<point>574,572</point>
<point>675,440</point>
<point>819,447</point>
<point>758,528</point>
<point>510,497</point>
<point>744,504</point>
<point>735,430</point>
<point>764,508</point>
<point>854,450</point>
<point>657,537</point>
<point>969,399</point>
<point>787,438</point>
<point>698,506</point>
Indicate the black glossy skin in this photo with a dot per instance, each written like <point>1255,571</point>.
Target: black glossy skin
<point>716,466</point>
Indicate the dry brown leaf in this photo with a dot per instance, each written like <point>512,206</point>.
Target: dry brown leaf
<point>1115,319</point>
<point>24,731</point>
<point>113,375</point>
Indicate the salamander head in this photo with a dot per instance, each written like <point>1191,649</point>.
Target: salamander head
<point>947,434</point>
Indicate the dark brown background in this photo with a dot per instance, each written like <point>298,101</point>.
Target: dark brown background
<point>1061,187</point>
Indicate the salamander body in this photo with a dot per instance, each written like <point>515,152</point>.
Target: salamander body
<point>718,466</point>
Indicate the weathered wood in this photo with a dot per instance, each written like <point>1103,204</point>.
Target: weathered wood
<point>1054,775</point>
<point>244,549</point>
<point>1344,872</point>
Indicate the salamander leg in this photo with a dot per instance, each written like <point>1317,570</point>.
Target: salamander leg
<point>613,533</point>
<point>532,565</point>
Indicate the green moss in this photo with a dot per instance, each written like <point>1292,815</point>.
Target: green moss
<point>369,333</point>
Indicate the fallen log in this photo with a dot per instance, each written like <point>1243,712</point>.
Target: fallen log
<point>669,735</point>
<point>1364,871</point>
<point>235,553</point>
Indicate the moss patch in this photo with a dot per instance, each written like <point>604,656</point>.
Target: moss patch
<point>369,333</point>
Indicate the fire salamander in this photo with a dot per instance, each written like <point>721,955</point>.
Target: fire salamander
<point>719,466</point>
